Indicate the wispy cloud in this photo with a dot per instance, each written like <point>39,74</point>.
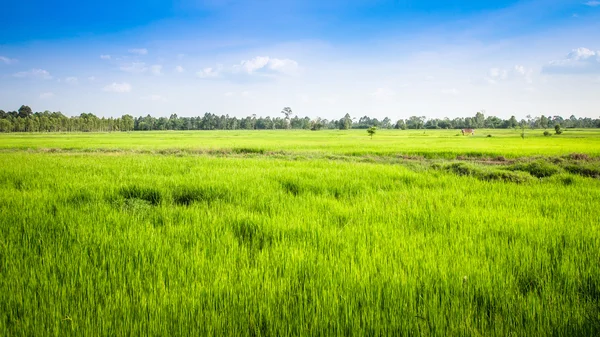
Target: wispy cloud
<point>266,64</point>
<point>382,94</point>
<point>118,87</point>
<point>578,61</point>
<point>134,67</point>
<point>156,69</point>
<point>518,72</point>
<point>72,80</point>
<point>34,73</point>
<point>92,78</point>
<point>105,57</point>
<point>8,60</point>
<point>593,3</point>
<point>46,95</point>
<point>209,72</point>
<point>138,51</point>
<point>179,69</point>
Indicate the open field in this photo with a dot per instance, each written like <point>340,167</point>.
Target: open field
<point>428,143</point>
<point>300,233</point>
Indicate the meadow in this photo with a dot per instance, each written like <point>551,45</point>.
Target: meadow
<point>287,233</point>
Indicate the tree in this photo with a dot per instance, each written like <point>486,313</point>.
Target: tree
<point>400,124</point>
<point>557,129</point>
<point>479,119</point>
<point>317,124</point>
<point>25,111</point>
<point>5,125</point>
<point>371,131</point>
<point>346,122</point>
<point>287,111</point>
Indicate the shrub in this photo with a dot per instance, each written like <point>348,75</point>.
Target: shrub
<point>547,134</point>
<point>583,170</point>
<point>540,168</point>
<point>489,136</point>
<point>480,173</point>
<point>557,129</point>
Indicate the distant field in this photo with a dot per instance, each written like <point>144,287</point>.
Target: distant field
<point>429,143</point>
<point>287,233</point>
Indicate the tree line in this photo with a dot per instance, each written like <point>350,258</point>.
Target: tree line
<point>25,120</point>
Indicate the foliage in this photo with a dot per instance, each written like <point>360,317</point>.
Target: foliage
<point>24,120</point>
<point>538,168</point>
<point>547,134</point>
<point>371,131</point>
<point>557,129</point>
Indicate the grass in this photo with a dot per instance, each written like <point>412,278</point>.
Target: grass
<point>305,243</point>
<point>427,143</point>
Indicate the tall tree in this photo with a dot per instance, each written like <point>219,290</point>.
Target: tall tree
<point>25,111</point>
<point>287,111</point>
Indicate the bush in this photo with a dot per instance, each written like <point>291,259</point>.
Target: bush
<point>540,168</point>
<point>489,136</point>
<point>557,129</point>
<point>547,134</point>
<point>480,173</point>
<point>583,170</point>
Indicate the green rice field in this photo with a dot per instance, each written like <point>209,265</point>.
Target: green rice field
<point>300,233</point>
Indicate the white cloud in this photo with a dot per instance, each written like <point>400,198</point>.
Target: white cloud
<point>209,73</point>
<point>156,69</point>
<point>34,73</point>
<point>450,91</point>
<point>265,64</point>
<point>105,57</point>
<point>155,98</point>
<point>524,72</point>
<point>7,60</point>
<point>138,51</point>
<point>134,67</point>
<point>72,80</point>
<point>118,87</point>
<point>496,74</point>
<point>46,95</point>
<point>179,69</point>
<point>518,72</point>
<point>383,93</point>
<point>578,61</point>
<point>593,3</point>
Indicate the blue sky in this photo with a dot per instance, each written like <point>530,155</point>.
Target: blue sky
<point>376,58</point>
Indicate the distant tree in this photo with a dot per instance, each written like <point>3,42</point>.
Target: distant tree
<point>25,111</point>
<point>287,111</point>
<point>316,124</point>
<point>345,123</point>
<point>5,125</point>
<point>512,122</point>
<point>371,131</point>
<point>479,120</point>
<point>557,129</point>
<point>400,124</point>
<point>415,122</point>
